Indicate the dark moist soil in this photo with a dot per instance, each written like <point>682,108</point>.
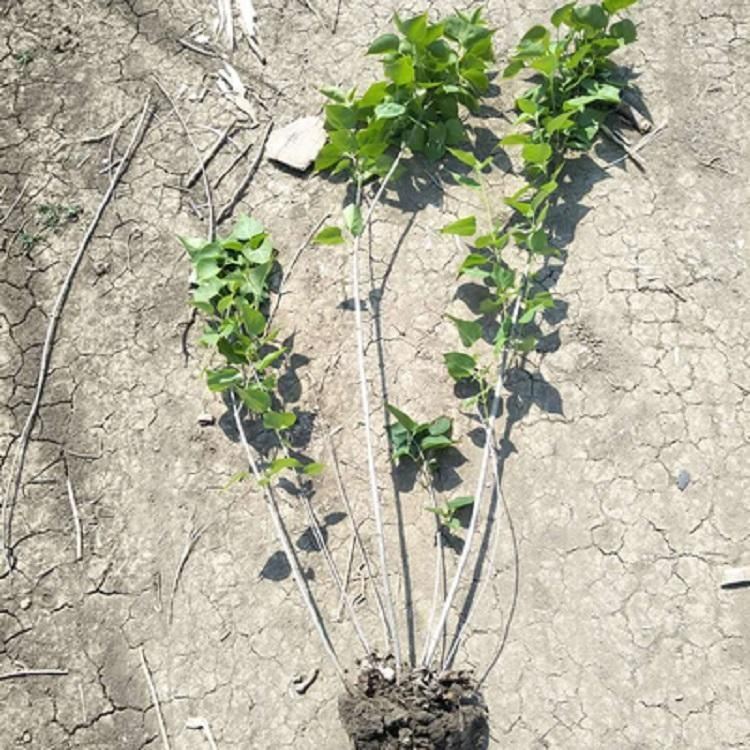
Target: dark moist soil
<point>440,712</point>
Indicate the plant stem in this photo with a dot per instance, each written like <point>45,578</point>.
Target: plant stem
<point>440,578</point>
<point>355,530</point>
<point>288,549</point>
<point>489,437</point>
<point>393,639</point>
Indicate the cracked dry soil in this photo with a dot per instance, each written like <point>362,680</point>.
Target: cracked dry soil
<point>621,636</point>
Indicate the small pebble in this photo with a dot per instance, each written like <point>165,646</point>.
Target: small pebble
<point>206,420</point>
<point>25,603</point>
<point>389,675</point>
<point>683,480</point>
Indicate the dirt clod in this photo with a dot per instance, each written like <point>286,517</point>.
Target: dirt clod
<point>444,712</point>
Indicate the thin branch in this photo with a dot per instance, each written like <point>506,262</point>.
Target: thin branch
<point>155,699</point>
<point>206,185</point>
<point>624,146</point>
<point>286,546</point>
<point>347,578</point>
<point>15,202</point>
<point>239,157</point>
<point>198,722</point>
<point>290,267</point>
<point>210,154</point>
<point>489,437</point>
<point>227,210</point>
<point>463,626</point>
<point>355,531</point>
<point>17,464</point>
<point>76,517</point>
<point>393,639</point>
<point>193,537</point>
<point>439,587</point>
<point>33,673</point>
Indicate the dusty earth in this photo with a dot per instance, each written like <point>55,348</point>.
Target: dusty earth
<point>621,635</point>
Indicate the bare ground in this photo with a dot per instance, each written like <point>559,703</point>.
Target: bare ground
<point>621,638</point>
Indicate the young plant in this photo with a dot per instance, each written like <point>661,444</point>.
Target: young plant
<point>431,70</point>
<point>575,87</point>
<point>232,288</point>
<point>446,512</point>
<point>419,442</point>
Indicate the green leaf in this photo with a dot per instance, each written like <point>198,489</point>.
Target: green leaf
<point>340,117</point>
<point>239,476</point>
<point>329,235</point>
<point>613,6</point>
<point>624,30</point>
<point>562,15</point>
<point>435,442</point>
<point>460,366</point>
<point>313,469</point>
<point>460,502</point>
<point>592,17</point>
<point>561,122</point>
<point>400,70</point>
<point>353,219</point>
<point>536,153</point>
<point>327,157</point>
<point>384,43</point>
<point>246,227</point>
<point>546,64</point>
<point>223,378</point>
<point>389,110</point>
<point>471,261</point>
<point>254,320</point>
<point>466,157</point>
<point>441,426</point>
<point>525,345</point>
<point>374,95</point>
<point>437,133</point>
<point>256,399</point>
<point>333,93</point>
<point>462,227</point>
<point>454,131</point>
<point>468,330</point>
<point>515,67</point>
<point>269,359</point>
<point>403,419</point>
<point>278,420</point>
<point>516,139</point>
<point>282,463</point>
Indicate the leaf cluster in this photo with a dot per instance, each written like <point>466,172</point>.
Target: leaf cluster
<point>419,442</point>
<point>446,512</point>
<point>574,87</point>
<point>577,81</point>
<point>232,276</point>
<point>431,70</point>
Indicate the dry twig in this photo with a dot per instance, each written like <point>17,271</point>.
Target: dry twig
<point>193,537</point>
<point>76,517</point>
<point>17,463</point>
<point>227,210</point>
<point>33,673</point>
<point>155,700</point>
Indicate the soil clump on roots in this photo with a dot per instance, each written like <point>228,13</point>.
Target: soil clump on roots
<point>437,711</point>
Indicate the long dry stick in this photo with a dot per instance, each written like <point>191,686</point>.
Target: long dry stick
<point>290,267</point>
<point>198,722</point>
<point>209,155</point>
<point>206,184</point>
<point>393,639</point>
<point>227,210</point>
<point>17,464</point>
<point>193,538</point>
<point>489,436</point>
<point>155,700</point>
<point>286,545</point>
<point>33,673</point>
<point>15,203</point>
<point>76,517</point>
<point>347,578</point>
